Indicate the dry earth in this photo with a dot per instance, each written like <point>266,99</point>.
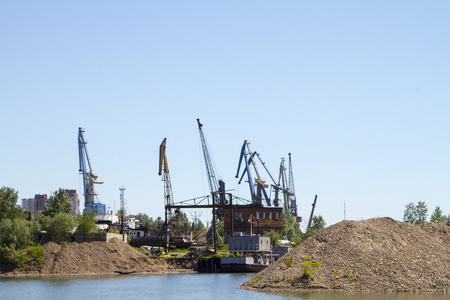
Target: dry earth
<point>375,255</point>
<point>100,258</point>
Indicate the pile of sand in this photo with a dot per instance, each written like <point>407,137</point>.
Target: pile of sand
<point>366,256</point>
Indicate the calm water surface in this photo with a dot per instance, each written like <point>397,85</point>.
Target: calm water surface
<point>166,286</point>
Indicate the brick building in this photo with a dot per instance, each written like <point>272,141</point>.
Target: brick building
<point>73,196</point>
<point>254,218</point>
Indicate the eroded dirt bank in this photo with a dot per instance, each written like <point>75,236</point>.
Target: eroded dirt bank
<point>375,255</point>
<point>100,258</point>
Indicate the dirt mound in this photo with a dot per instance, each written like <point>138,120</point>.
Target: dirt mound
<point>373,255</point>
<point>96,258</point>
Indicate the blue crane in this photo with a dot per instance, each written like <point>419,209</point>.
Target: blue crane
<point>89,179</point>
<point>248,157</point>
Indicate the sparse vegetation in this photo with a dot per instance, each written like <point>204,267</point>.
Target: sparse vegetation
<point>350,274</point>
<point>309,268</point>
<point>288,260</point>
<point>256,280</point>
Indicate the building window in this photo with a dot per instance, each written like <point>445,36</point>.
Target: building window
<point>276,216</point>
<point>270,215</point>
<point>257,215</point>
<point>238,217</point>
<point>264,215</point>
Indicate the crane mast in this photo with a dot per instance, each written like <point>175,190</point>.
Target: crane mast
<point>292,199</point>
<point>168,195</point>
<point>216,187</point>
<point>89,179</point>
<point>165,176</point>
<point>284,186</point>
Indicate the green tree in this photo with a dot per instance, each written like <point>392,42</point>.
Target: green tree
<point>291,228</point>
<point>58,226</point>
<point>198,226</point>
<point>59,202</point>
<point>416,214</point>
<point>144,220</point>
<point>318,223</point>
<point>14,233</point>
<point>438,216</point>
<point>85,222</point>
<point>8,204</point>
<point>275,237</point>
<point>181,223</point>
<point>15,236</point>
<point>220,233</point>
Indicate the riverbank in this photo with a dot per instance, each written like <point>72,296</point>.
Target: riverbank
<point>375,255</point>
<point>97,258</point>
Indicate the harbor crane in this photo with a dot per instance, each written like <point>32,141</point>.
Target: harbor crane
<point>216,186</point>
<point>168,195</point>
<point>292,199</point>
<point>89,179</point>
<point>248,157</point>
<point>287,183</point>
<point>282,181</point>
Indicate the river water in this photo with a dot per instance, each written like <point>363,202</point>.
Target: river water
<point>164,286</point>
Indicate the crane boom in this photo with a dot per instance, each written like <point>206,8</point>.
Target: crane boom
<point>214,184</point>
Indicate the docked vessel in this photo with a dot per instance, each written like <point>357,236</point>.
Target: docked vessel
<point>252,254</point>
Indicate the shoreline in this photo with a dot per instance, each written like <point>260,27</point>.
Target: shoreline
<point>15,274</point>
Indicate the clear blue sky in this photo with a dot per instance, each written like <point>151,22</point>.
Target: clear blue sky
<point>357,91</point>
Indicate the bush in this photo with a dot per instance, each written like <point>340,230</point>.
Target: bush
<point>14,234</point>
<point>275,237</point>
<point>58,226</point>
<point>9,255</point>
<point>32,256</point>
<point>86,222</point>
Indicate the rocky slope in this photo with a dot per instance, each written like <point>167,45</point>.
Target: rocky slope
<point>373,255</point>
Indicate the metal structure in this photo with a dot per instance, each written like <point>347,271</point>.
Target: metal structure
<point>282,181</point>
<point>168,195</point>
<point>248,157</point>
<point>89,179</point>
<point>312,213</point>
<point>275,186</point>
<point>292,200</point>
<point>216,186</point>
<point>122,200</point>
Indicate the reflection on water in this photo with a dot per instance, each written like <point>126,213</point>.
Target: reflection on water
<point>165,286</point>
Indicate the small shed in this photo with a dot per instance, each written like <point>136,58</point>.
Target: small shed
<point>249,243</point>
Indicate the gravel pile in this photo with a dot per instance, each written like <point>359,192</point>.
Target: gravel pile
<point>375,255</point>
